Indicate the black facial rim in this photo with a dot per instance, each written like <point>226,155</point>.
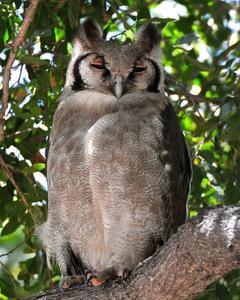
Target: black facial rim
<point>78,83</point>
<point>132,74</point>
<point>153,87</point>
<point>106,74</point>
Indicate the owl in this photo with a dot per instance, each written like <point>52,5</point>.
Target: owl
<point>118,166</point>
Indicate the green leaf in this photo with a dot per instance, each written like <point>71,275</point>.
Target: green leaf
<point>34,168</point>
<point>187,39</point>
<point>222,292</point>
<point>207,125</point>
<point>33,60</point>
<point>10,227</point>
<point>188,124</point>
<point>232,131</point>
<point>59,34</point>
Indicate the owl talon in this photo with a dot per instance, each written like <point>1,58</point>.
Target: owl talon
<point>69,281</point>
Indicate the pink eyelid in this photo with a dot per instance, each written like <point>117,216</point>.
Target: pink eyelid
<point>98,61</point>
<point>139,64</point>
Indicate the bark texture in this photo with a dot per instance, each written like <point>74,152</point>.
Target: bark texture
<point>29,15</point>
<point>201,252</point>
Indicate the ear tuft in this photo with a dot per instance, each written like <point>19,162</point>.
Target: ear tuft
<point>148,37</point>
<point>147,43</point>
<point>90,31</point>
<point>89,34</point>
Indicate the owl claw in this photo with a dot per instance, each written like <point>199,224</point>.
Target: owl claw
<point>125,274</point>
<point>69,281</point>
<point>96,281</point>
<point>92,280</point>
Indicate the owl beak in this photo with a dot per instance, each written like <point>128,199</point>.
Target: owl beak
<point>118,85</point>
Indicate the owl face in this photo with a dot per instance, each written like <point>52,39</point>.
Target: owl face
<point>111,68</point>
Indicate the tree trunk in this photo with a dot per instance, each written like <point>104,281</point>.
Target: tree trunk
<point>201,252</point>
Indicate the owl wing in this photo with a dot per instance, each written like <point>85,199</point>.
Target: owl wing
<point>183,185</point>
<point>173,143</point>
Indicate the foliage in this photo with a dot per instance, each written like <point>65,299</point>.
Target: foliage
<point>201,55</point>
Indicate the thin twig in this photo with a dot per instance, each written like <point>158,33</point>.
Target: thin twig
<point>193,99</point>
<point>11,251</point>
<point>117,34</point>
<point>18,81</point>
<point>30,12</point>
<point>19,132</point>
<point>14,281</point>
<point>10,176</point>
<point>15,169</point>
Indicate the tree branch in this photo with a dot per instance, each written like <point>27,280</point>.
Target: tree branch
<point>30,12</point>
<point>182,91</point>
<point>202,251</point>
<point>11,251</point>
<point>13,280</point>
<point>10,176</point>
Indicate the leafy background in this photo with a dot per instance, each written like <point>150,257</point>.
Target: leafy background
<point>201,51</point>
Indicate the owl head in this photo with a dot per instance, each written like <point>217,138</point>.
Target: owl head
<point>113,68</point>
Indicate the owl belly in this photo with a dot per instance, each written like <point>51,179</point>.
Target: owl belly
<point>125,178</point>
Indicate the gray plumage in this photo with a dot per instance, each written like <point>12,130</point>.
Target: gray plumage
<point>118,165</point>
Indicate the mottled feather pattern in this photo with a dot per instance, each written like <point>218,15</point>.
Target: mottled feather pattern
<point>118,165</point>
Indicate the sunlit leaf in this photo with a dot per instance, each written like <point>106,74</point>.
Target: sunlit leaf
<point>188,124</point>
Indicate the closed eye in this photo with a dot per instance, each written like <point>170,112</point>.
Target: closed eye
<point>139,69</point>
<point>98,63</point>
<point>96,66</point>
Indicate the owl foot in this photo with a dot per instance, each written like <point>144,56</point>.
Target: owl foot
<point>69,281</point>
<point>93,280</point>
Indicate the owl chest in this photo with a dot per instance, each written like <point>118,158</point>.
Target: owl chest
<point>94,123</point>
<point>106,132</point>
<point>117,136</point>
<point>104,143</point>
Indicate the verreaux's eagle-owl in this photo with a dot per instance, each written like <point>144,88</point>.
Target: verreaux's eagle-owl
<point>118,165</point>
